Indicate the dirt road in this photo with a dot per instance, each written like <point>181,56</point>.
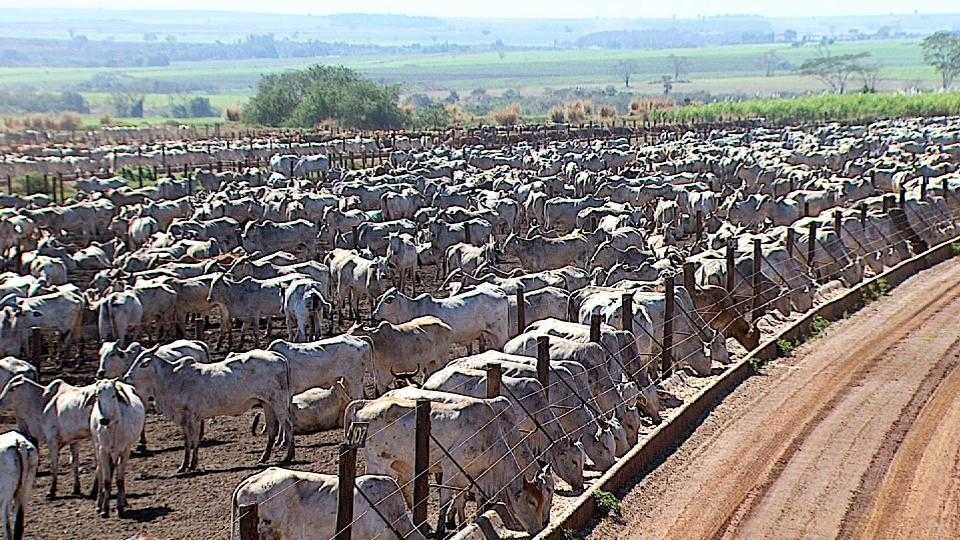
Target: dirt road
<point>857,435</point>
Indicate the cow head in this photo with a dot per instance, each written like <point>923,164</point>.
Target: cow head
<point>530,498</point>
<point>389,306</point>
<point>115,361</point>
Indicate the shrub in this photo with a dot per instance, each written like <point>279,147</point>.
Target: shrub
<point>608,505</point>
<point>818,325</point>
<point>312,96</point>
<point>233,113</point>
<point>875,290</point>
<point>786,347</point>
<point>557,115</point>
<point>510,115</point>
<point>607,111</point>
<point>579,112</point>
<point>194,107</point>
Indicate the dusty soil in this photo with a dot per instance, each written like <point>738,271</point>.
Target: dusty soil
<point>857,435</point>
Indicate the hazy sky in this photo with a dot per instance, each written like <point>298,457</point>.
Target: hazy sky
<point>528,8</point>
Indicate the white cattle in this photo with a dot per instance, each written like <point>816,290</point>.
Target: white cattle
<point>481,313</point>
<point>188,392</point>
<point>56,415</point>
<point>419,345</point>
<point>291,502</point>
<point>321,363</point>
<point>18,471</point>
<point>116,421</point>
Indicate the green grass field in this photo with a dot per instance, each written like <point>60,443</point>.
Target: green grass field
<point>900,62</point>
<point>730,72</point>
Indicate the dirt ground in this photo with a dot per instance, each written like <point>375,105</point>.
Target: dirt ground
<point>856,435</point>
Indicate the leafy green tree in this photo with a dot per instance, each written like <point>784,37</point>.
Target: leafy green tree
<point>319,94</point>
<point>834,70</point>
<point>942,51</point>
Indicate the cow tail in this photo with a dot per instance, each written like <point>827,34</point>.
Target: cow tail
<point>22,480</point>
<point>112,319</point>
<point>255,424</point>
<point>572,309</point>
<point>368,366</point>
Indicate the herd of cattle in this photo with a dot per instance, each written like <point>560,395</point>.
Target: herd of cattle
<point>569,228</point>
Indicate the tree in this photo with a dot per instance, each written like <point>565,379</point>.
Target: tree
<point>667,82</point>
<point>942,51</point>
<point>626,69</point>
<point>681,66</point>
<point>870,75</point>
<point>833,70</point>
<point>771,61</point>
<point>318,94</point>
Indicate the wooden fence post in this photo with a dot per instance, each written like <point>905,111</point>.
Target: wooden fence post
<point>690,277</point>
<point>249,522</point>
<point>421,464</point>
<point>757,261</point>
<point>923,187</point>
<point>791,240</point>
<point>626,312</point>
<point>543,363</point>
<point>731,265</point>
<point>666,355</point>
<point>521,311</point>
<point>347,474</point>
<point>595,328</point>
<point>811,243</point>
<point>903,196</point>
<point>863,215</point>
<point>838,222</point>
<point>885,202</point>
<point>699,225</point>
<point>494,377</point>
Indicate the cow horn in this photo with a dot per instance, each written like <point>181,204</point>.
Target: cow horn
<point>405,374</point>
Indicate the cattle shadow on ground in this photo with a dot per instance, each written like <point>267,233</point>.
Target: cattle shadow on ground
<point>146,515</point>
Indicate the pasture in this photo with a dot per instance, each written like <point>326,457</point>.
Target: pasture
<point>729,71</point>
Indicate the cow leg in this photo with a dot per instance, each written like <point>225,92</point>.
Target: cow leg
<point>106,479</point>
<point>270,421</point>
<point>54,469</point>
<point>142,444</point>
<point>122,482</point>
<point>470,349</point>
<point>75,465</point>
<point>197,436</point>
<point>186,428</point>
<point>269,331</point>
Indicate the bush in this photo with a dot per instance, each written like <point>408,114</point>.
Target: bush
<point>433,116</point>
<point>233,113</point>
<point>579,112</point>
<point>607,112</point>
<point>510,115</point>
<point>786,347</point>
<point>195,107</point>
<point>558,115</point>
<point>608,505</point>
<point>319,94</point>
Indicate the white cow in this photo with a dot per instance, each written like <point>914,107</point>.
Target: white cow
<point>18,470</point>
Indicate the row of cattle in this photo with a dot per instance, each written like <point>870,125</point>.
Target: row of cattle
<point>568,229</point>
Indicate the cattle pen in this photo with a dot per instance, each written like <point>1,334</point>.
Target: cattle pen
<point>605,275</point>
